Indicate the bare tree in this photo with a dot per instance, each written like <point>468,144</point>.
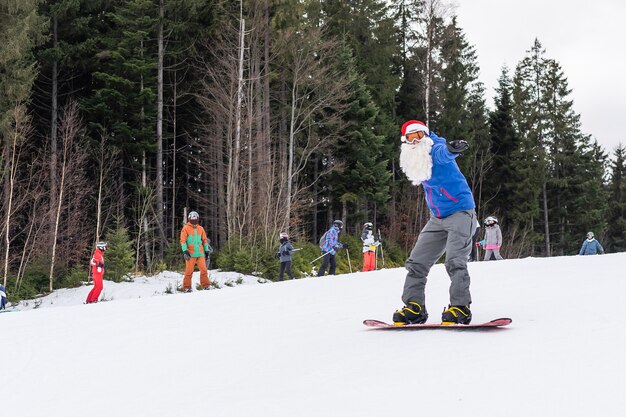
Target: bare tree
<point>20,129</point>
<point>73,158</point>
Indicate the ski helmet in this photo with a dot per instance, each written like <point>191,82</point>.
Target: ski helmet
<point>368,225</point>
<point>193,215</point>
<point>101,245</point>
<point>491,219</point>
<point>338,223</point>
<point>590,235</point>
<point>284,235</point>
<point>413,131</point>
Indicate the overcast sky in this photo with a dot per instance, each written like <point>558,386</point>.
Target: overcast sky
<point>588,39</point>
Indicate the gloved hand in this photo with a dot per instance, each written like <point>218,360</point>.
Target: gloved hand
<point>482,243</point>
<point>100,265</point>
<point>346,246</point>
<point>186,255</point>
<point>477,244</point>
<point>458,146</point>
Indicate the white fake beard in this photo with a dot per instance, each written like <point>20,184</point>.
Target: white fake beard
<point>416,162</point>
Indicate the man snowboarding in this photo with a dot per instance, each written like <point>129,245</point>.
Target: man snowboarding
<point>196,250</point>
<point>97,272</point>
<point>428,160</point>
<point>329,243</point>
<point>370,243</point>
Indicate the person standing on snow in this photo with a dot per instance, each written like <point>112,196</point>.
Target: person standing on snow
<point>370,243</point>
<point>329,245</point>
<point>428,160</point>
<point>97,272</point>
<point>196,250</point>
<point>591,246</point>
<point>284,254</point>
<point>493,239</point>
<point>3,297</point>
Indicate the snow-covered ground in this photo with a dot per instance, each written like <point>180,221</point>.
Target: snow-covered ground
<point>298,348</point>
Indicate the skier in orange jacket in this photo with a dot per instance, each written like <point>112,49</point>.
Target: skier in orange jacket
<point>97,272</point>
<point>196,249</point>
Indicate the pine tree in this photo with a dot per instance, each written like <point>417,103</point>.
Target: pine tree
<point>615,240</point>
<point>499,183</point>
<point>529,160</point>
<point>364,178</point>
<point>119,259</point>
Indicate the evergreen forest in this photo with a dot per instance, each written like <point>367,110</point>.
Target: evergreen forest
<point>118,117</point>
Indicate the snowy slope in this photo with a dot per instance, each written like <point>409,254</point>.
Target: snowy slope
<point>298,348</point>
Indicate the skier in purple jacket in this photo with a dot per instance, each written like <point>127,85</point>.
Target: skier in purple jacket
<point>329,245</point>
<point>429,160</point>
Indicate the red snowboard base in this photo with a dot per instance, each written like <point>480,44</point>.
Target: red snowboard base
<point>376,324</point>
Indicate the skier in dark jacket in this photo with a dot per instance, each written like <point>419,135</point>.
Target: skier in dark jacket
<point>284,253</point>
<point>3,298</point>
<point>429,160</point>
<point>591,246</point>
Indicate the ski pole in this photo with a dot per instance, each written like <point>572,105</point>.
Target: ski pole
<point>382,252</point>
<point>349,263</point>
<point>320,257</point>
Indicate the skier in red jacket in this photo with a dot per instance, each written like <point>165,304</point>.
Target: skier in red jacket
<point>97,272</point>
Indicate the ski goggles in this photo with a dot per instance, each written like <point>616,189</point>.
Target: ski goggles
<point>414,137</point>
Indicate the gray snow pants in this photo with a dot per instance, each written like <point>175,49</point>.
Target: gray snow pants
<point>495,252</point>
<point>451,235</point>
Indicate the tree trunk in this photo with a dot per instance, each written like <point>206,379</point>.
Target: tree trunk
<point>159,133</point>
<point>54,117</point>
<point>545,219</point>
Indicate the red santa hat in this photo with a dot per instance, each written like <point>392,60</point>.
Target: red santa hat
<point>413,126</point>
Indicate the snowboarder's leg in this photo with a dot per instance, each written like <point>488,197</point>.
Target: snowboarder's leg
<point>488,253</point>
<point>282,271</point>
<point>189,267</point>
<point>496,253</point>
<point>204,274</point>
<point>460,227</point>
<point>288,269</point>
<point>429,247</point>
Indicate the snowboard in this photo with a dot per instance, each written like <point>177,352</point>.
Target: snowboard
<point>377,324</point>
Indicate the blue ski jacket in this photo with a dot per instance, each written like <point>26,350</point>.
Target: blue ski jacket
<point>447,191</point>
<point>332,240</point>
<point>591,247</point>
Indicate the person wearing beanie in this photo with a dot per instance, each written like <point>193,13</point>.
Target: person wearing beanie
<point>591,246</point>
<point>428,160</point>
<point>284,254</point>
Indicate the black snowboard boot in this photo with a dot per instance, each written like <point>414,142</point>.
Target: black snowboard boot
<point>413,313</point>
<point>456,315</point>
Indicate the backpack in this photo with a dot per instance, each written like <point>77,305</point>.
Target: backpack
<point>3,297</point>
<point>323,240</point>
